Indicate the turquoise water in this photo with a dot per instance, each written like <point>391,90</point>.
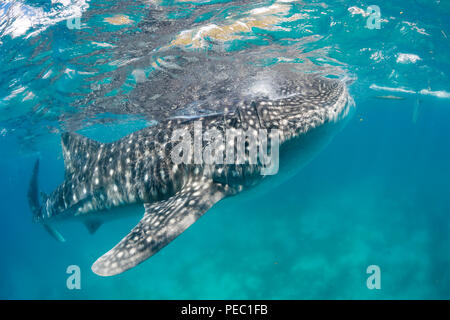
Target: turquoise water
<point>376,195</point>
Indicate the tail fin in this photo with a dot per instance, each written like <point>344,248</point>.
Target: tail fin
<point>35,206</point>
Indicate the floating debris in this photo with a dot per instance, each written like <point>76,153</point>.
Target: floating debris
<point>407,58</point>
<point>390,97</point>
<point>268,18</point>
<point>415,115</point>
<point>118,20</point>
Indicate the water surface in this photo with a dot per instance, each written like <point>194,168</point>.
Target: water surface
<point>377,195</point>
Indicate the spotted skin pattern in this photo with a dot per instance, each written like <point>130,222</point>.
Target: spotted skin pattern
<point>139,168</point>
<point>162,222</point>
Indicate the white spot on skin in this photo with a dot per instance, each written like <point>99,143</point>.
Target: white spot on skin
<point>111,172</point>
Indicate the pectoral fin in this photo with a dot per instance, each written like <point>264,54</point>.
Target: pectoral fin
<point>54,233</point>
<point>163,221</point>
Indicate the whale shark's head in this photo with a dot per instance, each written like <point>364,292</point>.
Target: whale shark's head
<point>298,105</point>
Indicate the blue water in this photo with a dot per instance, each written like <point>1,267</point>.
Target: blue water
<point>378,194</point>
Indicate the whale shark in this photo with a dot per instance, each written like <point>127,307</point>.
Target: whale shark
<point>164,171</point>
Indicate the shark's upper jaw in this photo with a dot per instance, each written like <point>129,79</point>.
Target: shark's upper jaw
<point>305,104</point>
<point>327,98</point>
